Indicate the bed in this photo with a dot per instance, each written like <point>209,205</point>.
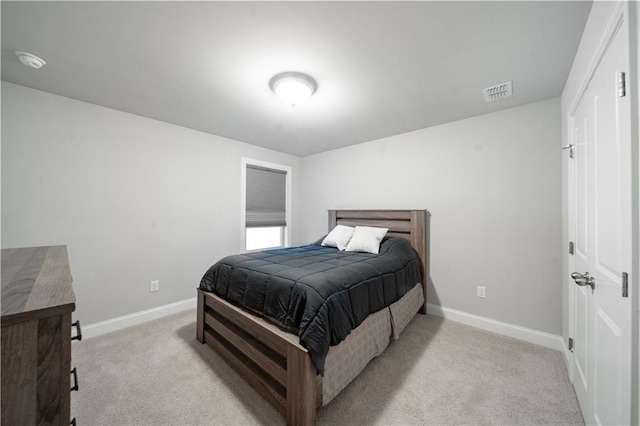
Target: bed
<point>273,360</point>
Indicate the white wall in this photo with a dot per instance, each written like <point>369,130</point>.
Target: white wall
<point>134,199</point>
<point>492,185</point>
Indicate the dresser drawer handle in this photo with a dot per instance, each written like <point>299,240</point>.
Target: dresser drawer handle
<point>75,379</point>
<point>73,422</point>
<point>78,335</point>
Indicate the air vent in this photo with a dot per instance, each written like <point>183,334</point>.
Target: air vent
<point>498,91</point>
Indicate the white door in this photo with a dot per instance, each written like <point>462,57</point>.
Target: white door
<point>601,221</point>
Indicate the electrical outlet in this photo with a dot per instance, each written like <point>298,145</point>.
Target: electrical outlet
<point>482,291</point>
<point>154,286</point>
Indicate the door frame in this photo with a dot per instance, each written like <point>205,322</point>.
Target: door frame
<point>634,71</point>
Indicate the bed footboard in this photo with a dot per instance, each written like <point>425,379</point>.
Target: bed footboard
<point>270,359</point>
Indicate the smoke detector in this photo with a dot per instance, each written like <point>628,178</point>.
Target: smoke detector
<point>30,60</point>
<point>498,91</point>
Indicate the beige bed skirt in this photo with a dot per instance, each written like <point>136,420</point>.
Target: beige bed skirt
<point>346,360</point>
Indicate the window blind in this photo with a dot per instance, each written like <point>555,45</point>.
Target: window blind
<point>266,197</point>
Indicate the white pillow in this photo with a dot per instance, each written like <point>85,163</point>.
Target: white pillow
<point>339,237</point>
<point>367,239</point>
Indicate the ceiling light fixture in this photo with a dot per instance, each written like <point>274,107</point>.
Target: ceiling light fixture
<point>293,87</point>
<point>30,60</point>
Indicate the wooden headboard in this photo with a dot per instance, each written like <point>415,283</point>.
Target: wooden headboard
<point>412,225</point>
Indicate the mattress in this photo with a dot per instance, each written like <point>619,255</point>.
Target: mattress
<point>321,292</point>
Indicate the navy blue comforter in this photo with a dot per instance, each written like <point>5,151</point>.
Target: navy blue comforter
<point>320,291</point>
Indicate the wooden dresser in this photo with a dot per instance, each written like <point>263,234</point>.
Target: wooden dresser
<point>37,302</point>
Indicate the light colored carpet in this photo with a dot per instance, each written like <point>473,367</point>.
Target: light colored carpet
<point>438,373</point>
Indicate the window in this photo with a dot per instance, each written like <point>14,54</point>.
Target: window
<point>265,208</point>
<point>265,237</point>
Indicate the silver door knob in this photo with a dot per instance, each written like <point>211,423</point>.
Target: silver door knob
<point>584,279</point>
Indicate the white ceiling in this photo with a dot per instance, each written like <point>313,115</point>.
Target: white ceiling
<point>382,68</point>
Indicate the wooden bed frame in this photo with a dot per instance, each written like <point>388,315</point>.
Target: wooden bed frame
<point>271,359</point>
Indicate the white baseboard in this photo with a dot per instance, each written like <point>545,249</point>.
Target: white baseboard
<point>515,331</point>
<point>103,327</point>
<point>522,333</point>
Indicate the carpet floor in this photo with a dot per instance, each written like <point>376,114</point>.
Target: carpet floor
<point>438,373</point>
